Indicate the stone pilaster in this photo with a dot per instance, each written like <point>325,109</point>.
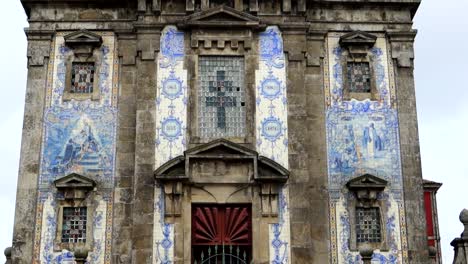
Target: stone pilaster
<point>143,181</point>
<point>125,155</point>
<point>39,46</point>
<point>401,52</point>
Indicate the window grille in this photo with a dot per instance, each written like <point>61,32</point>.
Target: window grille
<point>368,225</point>
<point>359,77</point>
<point>82,77</point>
<point>74,224</point>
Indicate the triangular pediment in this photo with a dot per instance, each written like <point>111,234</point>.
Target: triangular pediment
<point>222,16</point>
<point>270,170</point>
<point>358,38</point>
<point>221,147</point>
<point>83,37</point>
<point>367,181</point>
<point>221,150</point>
<point>74,180</point>
<point>174,169</point>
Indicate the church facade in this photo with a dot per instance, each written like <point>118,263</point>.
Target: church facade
<point>230,131</point>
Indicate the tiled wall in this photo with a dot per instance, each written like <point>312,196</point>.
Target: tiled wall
<point>171,125</point>
<point>348,123</point>
<point>272,129</point>
<point>68,124</point>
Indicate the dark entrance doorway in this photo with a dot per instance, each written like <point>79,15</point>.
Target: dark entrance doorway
<point>221,234</point>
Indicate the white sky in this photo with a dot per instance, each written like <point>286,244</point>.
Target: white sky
<point>440,66</point>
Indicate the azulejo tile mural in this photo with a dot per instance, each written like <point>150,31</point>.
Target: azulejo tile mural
<point>362,137</point>
<point>272,129</point>
<point>78,137</point>
<point>171,120</point>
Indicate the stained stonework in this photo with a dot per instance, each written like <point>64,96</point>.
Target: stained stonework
<point>159,119</point>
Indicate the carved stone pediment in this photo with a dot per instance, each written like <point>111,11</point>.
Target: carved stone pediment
<point>367,181</point>
<point>83,43</point>
<point>221,161</point>
<point>367,186</point>
<point>358,38</point>
<point>74,186</point>
<point>83,37</point>
<point>221,17</point>
<point>358,43</point>
<point>74,180</point>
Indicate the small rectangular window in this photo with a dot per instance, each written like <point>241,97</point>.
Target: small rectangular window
<point>82,78</point>
<point>74,224</point>
<point>368,225</point>
<point>359,77</point>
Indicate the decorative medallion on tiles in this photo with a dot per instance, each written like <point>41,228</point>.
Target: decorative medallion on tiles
<point>171,99</point>
<point>171,120</point>
<point>272,129</point>
<point>271,112</point>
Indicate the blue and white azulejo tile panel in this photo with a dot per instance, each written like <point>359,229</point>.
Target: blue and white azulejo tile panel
<point>271,98</point>
<point>272,129</point>
<point>363,137</point>
<point>78,137</point>
<point>171,124</point>
<point>171,97</point>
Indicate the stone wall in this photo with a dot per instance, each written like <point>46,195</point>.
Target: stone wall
<point>135,118</point>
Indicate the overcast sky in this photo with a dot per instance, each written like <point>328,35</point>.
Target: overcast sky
<point>441,67</point>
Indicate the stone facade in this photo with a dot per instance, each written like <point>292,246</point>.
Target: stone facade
<point>138,151</point>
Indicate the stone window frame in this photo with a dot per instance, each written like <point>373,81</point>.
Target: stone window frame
<point>233,50</point>
<point>347,94</point>
<point>84,46</point>
<point>90,208</point>
<point>357,49</point>
<point>75,190</point>
<point>364,192</point>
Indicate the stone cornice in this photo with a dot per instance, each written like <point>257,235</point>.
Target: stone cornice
<point>141,5</point>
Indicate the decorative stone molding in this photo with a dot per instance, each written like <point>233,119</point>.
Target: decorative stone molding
<point>214,22</point>
<point>366,251</point>
<point>220,17</point>
<point>185,170</point>
<point>357,48</point>
<point>74,191</point>
<point>127,48</point>
<point>148,36</point>
<point>39,46</point>
<point>315,48</point>
<point>74,186</point>
<point>402,47</point>
<point>84,45</point>
<point>173,195</point>
<point>269,197</point>
<point>358,43</point>
<point>366,189</point>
